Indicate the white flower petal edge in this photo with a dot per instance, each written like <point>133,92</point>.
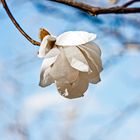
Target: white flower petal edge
<point>74,90</point>
<point>62,71</point>
<point>94,47</point>
<point>43,47</point>
<point>45,78</point>
<point>94,79</point>
<point>50,58</point>
<point>92,64</point>
<point>76,58</point>
<point>94,75</point>
<point>93,56</point>
<point>74,38</point>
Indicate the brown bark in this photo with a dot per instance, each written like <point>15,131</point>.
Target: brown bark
<point>99,10</point>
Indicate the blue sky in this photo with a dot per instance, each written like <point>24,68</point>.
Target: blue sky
<point>109,110</point>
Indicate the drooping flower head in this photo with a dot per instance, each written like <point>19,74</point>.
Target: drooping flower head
<point>71,61</point>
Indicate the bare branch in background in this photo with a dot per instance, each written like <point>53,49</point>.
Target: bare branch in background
<point>118,121</point>
<point>17,25</point>
<point>98,10</point>
<point>85,7</point>
<point>130,3</point>
<point>19,130</point>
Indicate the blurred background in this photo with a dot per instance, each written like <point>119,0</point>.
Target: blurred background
<point>109,110</point>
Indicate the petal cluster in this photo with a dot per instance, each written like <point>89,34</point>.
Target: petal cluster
<point>71,61</point>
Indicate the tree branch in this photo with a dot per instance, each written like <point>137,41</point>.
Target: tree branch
<point>130,3</point>
<point>98,10</point>
<point>82,6</point>
<point>17,25</point>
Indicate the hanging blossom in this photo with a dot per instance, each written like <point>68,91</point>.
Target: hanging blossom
<point>71,61</point>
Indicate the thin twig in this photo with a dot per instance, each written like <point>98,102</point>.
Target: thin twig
<point>98,10</point>
<point>85,7</point>
<point>17,25</point>
<point>130,3</point>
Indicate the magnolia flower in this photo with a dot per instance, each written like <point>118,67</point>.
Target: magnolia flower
<point>71,61</point>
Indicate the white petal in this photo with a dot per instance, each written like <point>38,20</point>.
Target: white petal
<point>45,78</point>
<point>93,66</point>
<point>93,56</point>
<point>74,90</point>
<point>62,71</point>
<point>43,47</point>
<point>79,65</point>
<point>76,58</point>
<point>50,57</point>
<point>94,47</point>
<point>53,52</point>
<point>94,79</point>
<point>73,38</point>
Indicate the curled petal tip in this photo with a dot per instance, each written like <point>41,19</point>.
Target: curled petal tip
<point>42,33</point>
